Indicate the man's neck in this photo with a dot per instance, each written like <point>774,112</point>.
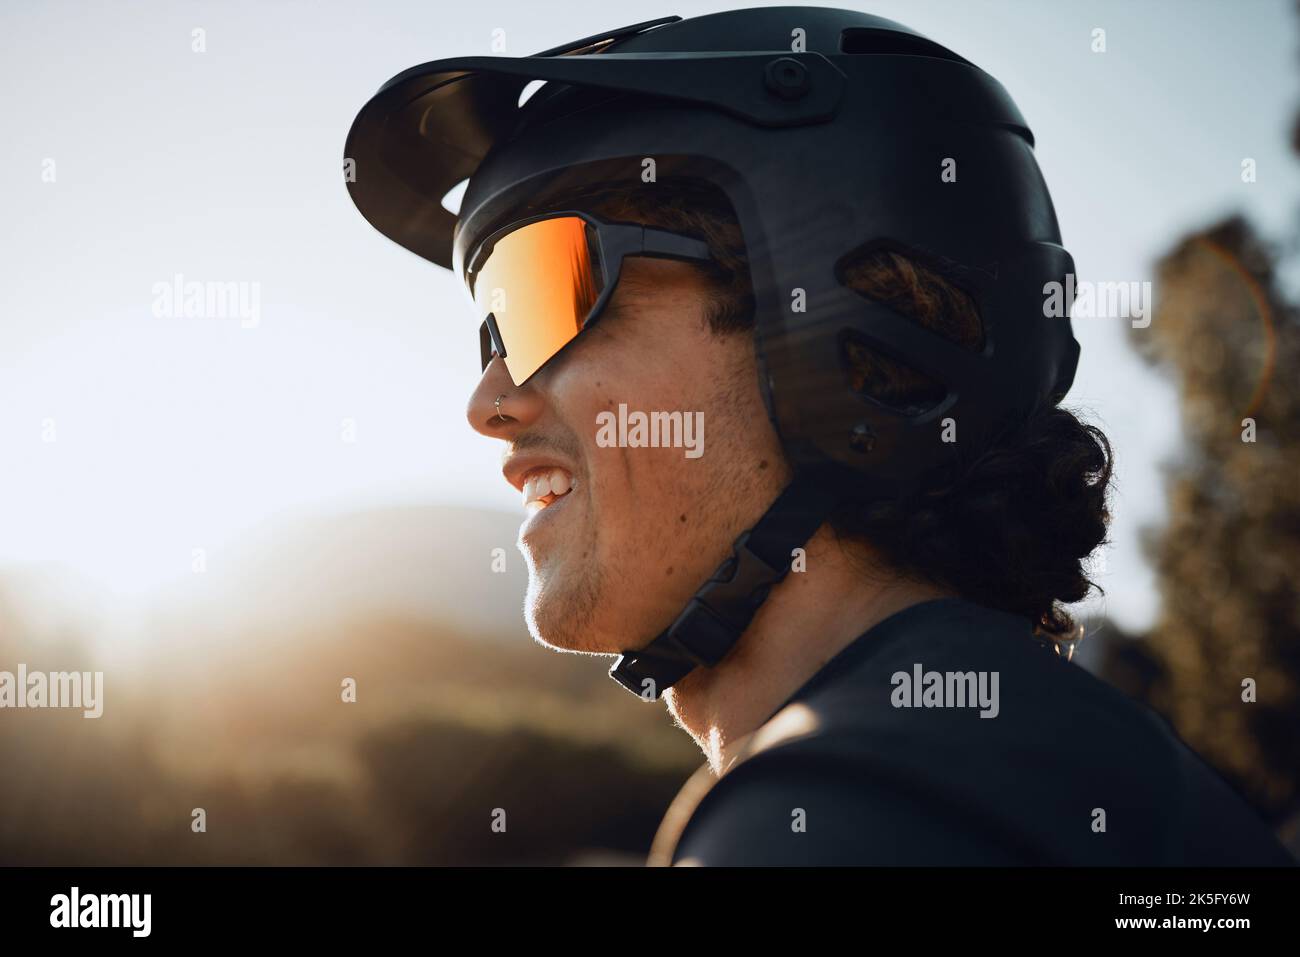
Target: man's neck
<point>807,620</point>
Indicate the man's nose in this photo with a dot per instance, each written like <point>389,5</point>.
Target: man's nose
<point>519,406</point>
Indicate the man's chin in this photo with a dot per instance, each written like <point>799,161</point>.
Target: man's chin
<point>564,621</point>
<point>571,641</point>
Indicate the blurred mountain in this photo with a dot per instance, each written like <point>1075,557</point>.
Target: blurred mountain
<point>229,698</point>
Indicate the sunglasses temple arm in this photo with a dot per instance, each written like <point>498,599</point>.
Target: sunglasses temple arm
<point>657,242</point>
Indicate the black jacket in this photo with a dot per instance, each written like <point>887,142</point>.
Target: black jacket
<point>840,775</point>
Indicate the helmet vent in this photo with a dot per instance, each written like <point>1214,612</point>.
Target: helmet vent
<point>869,40</point>
<point>917,288</point>
<point>876,373</point>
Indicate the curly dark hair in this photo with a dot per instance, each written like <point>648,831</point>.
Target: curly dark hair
<point>1012,527</point>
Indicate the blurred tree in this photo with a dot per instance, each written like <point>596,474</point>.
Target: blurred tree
<point>1228,559</point>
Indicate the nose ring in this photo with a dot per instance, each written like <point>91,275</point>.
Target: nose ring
<point>498,405</point>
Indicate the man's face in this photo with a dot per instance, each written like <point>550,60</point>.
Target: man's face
<point>613,560</point>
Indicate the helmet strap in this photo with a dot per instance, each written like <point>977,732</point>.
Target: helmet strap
<point>720,611</point>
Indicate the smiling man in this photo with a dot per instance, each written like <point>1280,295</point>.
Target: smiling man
<point>587,548</point>
<point>853,599</point>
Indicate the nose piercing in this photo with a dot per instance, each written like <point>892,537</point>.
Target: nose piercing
<point>498,405</point>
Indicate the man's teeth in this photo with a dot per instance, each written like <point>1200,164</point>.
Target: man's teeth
<point>545,486</point>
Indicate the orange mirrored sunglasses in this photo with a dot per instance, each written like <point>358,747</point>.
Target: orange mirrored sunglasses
<point>540,281</point>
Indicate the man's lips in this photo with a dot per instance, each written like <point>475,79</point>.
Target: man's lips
<point>541,480</point>
<point>543,486</point>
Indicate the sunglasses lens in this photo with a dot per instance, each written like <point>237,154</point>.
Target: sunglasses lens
<point>540,283</point>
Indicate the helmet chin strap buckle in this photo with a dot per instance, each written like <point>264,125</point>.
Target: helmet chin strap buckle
<point>720,611</point>
<point>708,627</point>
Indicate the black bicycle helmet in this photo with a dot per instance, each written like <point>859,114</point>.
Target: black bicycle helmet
<point>829,131</point>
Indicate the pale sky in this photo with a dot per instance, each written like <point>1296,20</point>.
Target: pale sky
<point>170,433</point>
